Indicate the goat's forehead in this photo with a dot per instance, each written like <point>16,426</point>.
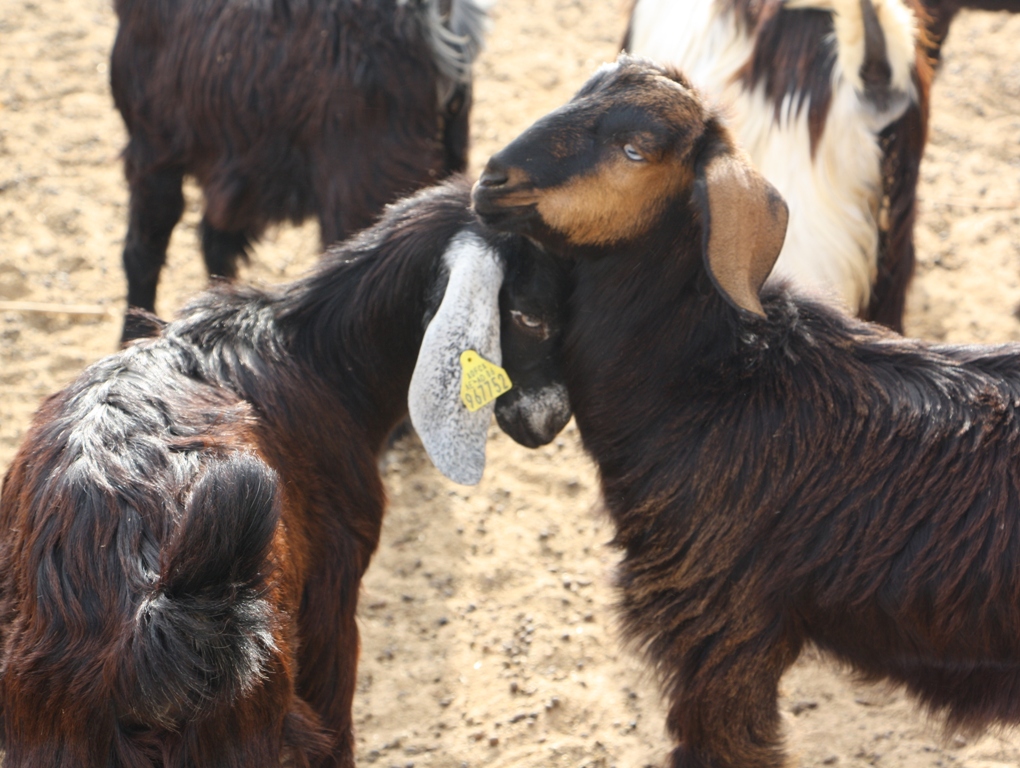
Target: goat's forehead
<point>649,90</point>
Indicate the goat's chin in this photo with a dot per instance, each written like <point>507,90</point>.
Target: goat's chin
<point>533,419</point>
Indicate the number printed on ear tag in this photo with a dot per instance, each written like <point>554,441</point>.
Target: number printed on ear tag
<point>481,382</point>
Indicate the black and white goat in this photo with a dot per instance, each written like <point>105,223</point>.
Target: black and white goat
<point>184,529</point>
<point>778,473</point>
<point>830,100</point>
<point>281,111</point>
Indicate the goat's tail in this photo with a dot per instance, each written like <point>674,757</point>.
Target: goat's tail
<point>204,635</point>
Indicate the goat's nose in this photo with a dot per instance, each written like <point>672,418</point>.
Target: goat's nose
<point>493,175</point>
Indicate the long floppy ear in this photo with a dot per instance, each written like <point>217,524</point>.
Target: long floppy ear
<point>467,318</point>
<point>744,227</point>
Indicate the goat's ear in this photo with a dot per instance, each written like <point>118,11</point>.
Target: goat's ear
<point>744,227</point>
<point>467,318</point>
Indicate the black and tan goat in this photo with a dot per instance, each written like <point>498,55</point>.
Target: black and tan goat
<point>282,111</point>
<point>778,473</point>
<point>184,529</point>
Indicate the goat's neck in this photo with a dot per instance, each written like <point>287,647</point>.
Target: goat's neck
<point>359,326</point>
<point>644,317</point>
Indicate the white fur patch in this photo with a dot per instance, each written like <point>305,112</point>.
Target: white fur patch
<point>831,244</point>
<point>467,318</point>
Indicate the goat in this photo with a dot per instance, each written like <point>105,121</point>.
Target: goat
<point>282,111</point>
<point>184,528</point>
<point>831,99</point>
<point>778,473</point>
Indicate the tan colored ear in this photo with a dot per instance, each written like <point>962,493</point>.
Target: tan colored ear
<point>745,225</point>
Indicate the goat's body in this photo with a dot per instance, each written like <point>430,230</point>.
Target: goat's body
<point>104,502</point>
<point>93,674</point>
<point>281,111</point>
<point>907,568</point>
<point>185,527</point>
<point>780,76</point>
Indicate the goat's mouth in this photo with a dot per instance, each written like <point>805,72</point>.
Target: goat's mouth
<point>502,206</point>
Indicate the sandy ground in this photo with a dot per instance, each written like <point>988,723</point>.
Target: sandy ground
<point>488,628</point>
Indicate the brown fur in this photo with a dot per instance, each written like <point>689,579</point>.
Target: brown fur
<point>184,529</point>
<point>588,210</point>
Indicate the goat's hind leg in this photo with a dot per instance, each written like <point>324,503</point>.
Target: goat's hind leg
<point>221,249</point>
<point>156,205</point>
<point>328,655</point>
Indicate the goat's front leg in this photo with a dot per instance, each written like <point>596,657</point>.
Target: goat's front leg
<point>727,715</point>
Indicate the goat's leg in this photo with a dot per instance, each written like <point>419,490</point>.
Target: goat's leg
<point>156,205</point>
<point>728,717</point>
<point>249,733</point>
<point>221,249</point>
<point>328,655</point>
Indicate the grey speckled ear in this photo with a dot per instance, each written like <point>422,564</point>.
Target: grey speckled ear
<point>467,318</point>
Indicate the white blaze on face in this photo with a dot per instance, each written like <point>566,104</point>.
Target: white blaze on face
<point>467,318</point>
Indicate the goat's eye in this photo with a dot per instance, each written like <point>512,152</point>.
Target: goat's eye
<point>632,153</point>
<point>530,324</point>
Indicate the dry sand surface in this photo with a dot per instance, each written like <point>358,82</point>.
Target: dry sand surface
<point>488,627</point>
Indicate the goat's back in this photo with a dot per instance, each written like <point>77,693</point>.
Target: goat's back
<point>137,524</point>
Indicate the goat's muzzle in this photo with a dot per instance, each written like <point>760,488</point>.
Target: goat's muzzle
<point>502,196</point>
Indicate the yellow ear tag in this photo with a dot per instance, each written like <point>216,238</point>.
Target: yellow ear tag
<point>481,382</point>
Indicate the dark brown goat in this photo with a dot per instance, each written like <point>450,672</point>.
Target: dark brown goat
<point>284,110</point>
<point>185,527</point>
<point>778,473</point>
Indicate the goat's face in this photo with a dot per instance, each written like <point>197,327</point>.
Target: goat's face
<point>632,158</point>
<point>600,169</point>
<point>533,303</point>
<point>502,303</point>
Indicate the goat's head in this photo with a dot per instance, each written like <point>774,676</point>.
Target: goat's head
<point>633,151</point>
<point>502,304</point>
<point>533,303</point>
